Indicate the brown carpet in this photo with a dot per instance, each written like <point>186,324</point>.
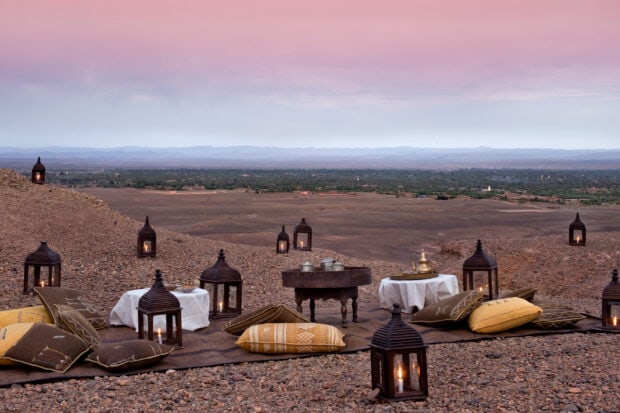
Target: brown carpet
<point>212,346</point>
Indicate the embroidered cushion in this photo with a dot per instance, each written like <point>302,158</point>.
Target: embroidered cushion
<point>526,293</point>
<point>9,335</point>
<point>272,313</point>
<point>274,338</point>
<point>502,314</point>
<point>74,322</point>
<point>129,354</point>
<point>449,310</point>
<point>33,314</point>
<point>47,347</point>
<point>56,295</point>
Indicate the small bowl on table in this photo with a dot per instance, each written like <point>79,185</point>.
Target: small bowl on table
<point>186,289</point>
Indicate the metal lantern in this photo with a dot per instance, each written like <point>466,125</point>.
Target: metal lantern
<point>481,262</point>
<point>282,242</point>
<point>224,288</point>
<point>577,232</point>
<point>611,300</point>
<point>159,301</point>
<point>43,258</point>
<point>38,172</point>
<point>147,240</point>
<point>302,236</point>
<point>398,361</point>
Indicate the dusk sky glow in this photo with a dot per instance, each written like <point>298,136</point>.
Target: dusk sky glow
<point>337,73</point>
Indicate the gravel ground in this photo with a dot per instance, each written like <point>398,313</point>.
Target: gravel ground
<point>557,373</point>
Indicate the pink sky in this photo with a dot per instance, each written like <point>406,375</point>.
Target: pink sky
<point>285,61</point>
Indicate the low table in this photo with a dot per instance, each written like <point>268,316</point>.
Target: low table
<point>336,285</point>
<point>416,293</point>
<point>194,314</point>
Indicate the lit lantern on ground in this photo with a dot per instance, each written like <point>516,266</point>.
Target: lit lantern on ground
<point>147,241</point>
<point>577,232</point>
<point>610,313</point>
<point>159,301</point>
<point>398,361</point>
<point>302,236</point>
<point>38,172</point>
<point>224,285</point>
<point>282,242</point>
<point>44,258</point>
<point>480,273</point>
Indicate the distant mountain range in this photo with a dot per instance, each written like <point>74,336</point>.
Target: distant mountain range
<point>56,158</point>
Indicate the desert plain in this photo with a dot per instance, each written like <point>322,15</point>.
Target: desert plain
<point>95,232</point>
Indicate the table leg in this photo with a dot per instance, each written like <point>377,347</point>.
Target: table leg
<point>312,305</point>
<point>343,311</point>
<point>354,308</point>
<point>298,301</point>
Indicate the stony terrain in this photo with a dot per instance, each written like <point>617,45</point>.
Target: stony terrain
<point>574,372</point>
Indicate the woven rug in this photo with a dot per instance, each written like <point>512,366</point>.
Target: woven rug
<point>211,346</point>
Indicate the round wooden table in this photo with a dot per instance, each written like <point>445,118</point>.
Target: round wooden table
<point>336,285</point>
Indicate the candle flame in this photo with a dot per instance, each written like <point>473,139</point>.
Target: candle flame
<point>614,321</point>
<point>42,283</point>
<point>400,372</point>
<point>159,331</point>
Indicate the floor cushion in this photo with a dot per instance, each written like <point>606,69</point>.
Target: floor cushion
<point>56,295</point>
<point>275,338</point>
<point>129,354</point>
<point>556,316</point>
<point>47,347</point>
<point>9,335</point>
<point>37,313</point>
<point>527,293</point>
<point>272,313</point>
<point>74,322</point>
<point>502,314</point>
<point>449,310</point>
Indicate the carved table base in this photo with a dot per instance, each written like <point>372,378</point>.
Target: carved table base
<point>341,294</point>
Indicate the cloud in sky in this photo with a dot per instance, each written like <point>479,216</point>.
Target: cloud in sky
<point>529,73</point>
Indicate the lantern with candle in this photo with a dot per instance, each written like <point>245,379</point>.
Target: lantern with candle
<point>398,361</point>
<point>159,301</point>
<point>225,288</point>
<point>611,303</point>
<point>44,258</point>
<point>480,273</point>
<point>38,172</point>
<point>577,232</point>
<point>302,236</point>
<point>147,241</point>
<point>282,242</point>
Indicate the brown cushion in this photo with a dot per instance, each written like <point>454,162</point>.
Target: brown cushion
<point>502,314</point>
<point>74,322</point>
<point>33,314</point>
<point>56,295</point>
<point>275,338</point>
<point>47,347</point>
<point>273,313</point>
<point>556,316</point>
<point>129,354</point>
<point>526,293</point>
<point>449,310</point>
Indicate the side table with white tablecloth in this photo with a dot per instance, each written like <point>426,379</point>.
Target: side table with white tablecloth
<point>194,310</point>
<point>419,293</point>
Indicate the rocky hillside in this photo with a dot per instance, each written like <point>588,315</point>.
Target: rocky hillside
<point>98,244</point>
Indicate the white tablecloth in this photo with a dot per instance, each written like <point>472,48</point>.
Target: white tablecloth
<point>194,310</point>
<point>409,293</point>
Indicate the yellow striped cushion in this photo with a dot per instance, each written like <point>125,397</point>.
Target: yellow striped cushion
<point>274,338</point>
<point>37,313</point>
<point>502,314</point>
